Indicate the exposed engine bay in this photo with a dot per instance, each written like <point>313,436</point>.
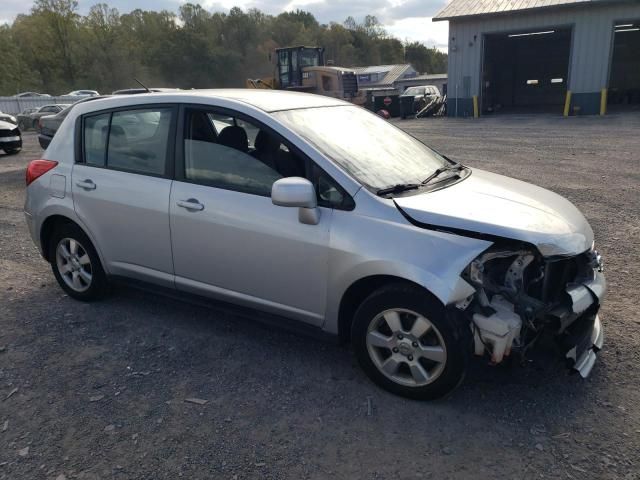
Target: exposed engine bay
<point>522,297</point>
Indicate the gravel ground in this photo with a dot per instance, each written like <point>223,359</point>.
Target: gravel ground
<point>98,391</point>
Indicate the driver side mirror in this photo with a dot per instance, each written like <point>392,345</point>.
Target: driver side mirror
<point>297,192</point>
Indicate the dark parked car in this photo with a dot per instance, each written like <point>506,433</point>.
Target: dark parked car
<point>10,138</point>
<point>24,118</point>
<point>52,109</point>
<point>48,125</point>
<point>421,95</point>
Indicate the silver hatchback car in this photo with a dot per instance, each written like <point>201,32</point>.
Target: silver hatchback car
<point>312,210</point>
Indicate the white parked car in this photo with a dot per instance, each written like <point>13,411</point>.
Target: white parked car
<point>83,93</point>
<point>314,211</point>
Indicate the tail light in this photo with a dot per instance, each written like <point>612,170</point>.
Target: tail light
<point>37,168</point>
<point>40,124</point>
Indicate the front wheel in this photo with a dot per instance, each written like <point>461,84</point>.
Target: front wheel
<point>406,343</point>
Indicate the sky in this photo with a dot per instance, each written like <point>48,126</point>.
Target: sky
<point>405,19</point>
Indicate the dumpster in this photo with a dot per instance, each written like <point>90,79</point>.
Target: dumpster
<point>390,103</point>
<point>407,108</point>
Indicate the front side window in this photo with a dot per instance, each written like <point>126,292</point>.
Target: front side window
<point>218,153</point>
<point>233,153</point>
<point>373,151</point>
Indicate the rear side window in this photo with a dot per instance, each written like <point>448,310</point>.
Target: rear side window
<point>132,140</point>
<point>96,129</point>
<point>138,140</point>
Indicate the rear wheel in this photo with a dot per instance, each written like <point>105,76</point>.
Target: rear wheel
<point>406,344</point>
<point>76,264</point>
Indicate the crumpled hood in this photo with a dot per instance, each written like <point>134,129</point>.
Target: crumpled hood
<point>491,204</point>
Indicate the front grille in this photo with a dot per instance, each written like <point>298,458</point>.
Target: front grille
<point>9,133</point>
<point>350,84</point>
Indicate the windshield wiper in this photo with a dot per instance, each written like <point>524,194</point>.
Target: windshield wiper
<point>398,188</point>
<point>441,170</point>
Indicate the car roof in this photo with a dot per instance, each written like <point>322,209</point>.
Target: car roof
<point>266,100</point>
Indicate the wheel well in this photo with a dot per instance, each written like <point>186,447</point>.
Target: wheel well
<point>48,227</point>
<point>357,293</point>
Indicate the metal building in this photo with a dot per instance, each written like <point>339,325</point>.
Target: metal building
<point>562,56</point>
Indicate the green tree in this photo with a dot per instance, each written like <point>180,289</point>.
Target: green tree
<point>54,49</point>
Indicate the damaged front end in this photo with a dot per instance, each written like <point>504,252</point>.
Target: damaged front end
<point>523,297</point>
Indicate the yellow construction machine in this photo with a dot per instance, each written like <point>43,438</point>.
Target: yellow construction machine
<point>303,69</point>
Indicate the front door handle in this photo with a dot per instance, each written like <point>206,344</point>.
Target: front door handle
<point>191,204</point>
<point>86,184</point>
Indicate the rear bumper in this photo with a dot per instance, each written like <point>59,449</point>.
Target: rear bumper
<point>31,223</point>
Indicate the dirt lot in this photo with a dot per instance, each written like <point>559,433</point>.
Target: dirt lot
<point>97,391</point>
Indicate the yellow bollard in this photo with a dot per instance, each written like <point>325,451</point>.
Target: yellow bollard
<point>567,103</point>
<point>603,102</point>
<point>475,106</point>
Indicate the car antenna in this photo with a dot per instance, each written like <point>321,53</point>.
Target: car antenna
<point>143,85</point>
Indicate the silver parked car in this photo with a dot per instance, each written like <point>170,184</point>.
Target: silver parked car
<point>314,210</point>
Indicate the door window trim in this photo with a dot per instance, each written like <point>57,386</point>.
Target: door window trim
<point>311,168</point>
<point>169,167</point>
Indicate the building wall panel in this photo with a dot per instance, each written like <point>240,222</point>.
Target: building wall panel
<point>592,32</point>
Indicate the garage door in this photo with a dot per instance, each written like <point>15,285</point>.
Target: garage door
<point>526,71</point>
<point>624,80</point>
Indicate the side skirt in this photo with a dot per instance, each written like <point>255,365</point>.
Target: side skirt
<point>277,321</point>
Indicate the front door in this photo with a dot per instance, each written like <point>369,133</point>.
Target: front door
<point>229,240</point>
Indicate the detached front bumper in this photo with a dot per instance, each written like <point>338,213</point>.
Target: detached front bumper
<point>587,359</point>
<point>585,336</point>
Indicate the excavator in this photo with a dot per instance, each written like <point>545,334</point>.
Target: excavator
<point>303,69</point>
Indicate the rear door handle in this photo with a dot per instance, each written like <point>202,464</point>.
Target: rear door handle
<point>86,184</point>
<point>191,204</point>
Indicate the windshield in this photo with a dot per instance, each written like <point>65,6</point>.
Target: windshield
<point>414,91</point>
<point>372,150</point>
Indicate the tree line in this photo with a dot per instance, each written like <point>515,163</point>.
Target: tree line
<point>54,49</point>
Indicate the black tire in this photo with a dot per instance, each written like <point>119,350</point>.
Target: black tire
<point>456,340</point>
<point>12,151</point>
<point>22,125</point>
<point>98,287</point>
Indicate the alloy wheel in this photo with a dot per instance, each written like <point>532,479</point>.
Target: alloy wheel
<point>74,264</point>
<point>406,347</point>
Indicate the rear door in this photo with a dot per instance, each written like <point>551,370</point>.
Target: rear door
<point>121,186</point>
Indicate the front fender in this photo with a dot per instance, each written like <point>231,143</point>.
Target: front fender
<point>363,246</point>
